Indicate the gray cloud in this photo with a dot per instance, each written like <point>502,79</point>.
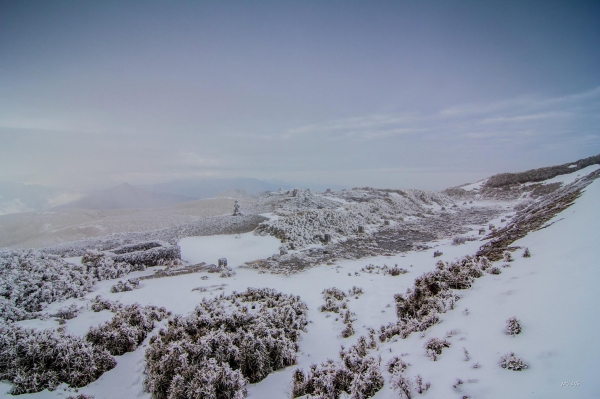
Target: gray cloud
<point>394,94</point>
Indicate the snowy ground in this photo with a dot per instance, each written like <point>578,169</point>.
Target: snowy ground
<point>553,293</point>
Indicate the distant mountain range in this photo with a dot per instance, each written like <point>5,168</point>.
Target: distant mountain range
<point>18,198</point>
<point>210,188</point>
<point>126,196</point>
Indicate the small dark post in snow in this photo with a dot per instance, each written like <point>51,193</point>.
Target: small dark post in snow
<point>386,222</point>
<point>236,209</point>
<point>361,229</point>
<point>222,262</point>
<point>326,238</point>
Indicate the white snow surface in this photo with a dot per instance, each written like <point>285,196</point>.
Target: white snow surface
<point>237,249</point>
<point>554,294</point>
<point>571,177</point>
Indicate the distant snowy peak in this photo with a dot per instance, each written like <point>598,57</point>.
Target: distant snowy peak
<point>126,196</point>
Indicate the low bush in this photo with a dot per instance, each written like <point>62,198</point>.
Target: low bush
<point>99,304</point>
<point>511,362</point>
<point>348,331</point>
<point>395,271</point>
<point>127,329</point>
<point>67,313</point>
<point>401,382</point>
<point>513,326</point>
<point>431,294</point>
<point>334,300</point>
<point>34,360</point>
<point>102,267</point>
<point>356,374</point>
<point>385,269</point>
<point>459,240</point>
<point>129,285</point>
<point>434,347</point>
<point>29,280</point>
<point>227,342</point>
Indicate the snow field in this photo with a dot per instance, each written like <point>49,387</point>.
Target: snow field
<point>553,294</point>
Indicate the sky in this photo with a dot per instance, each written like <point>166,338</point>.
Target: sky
<point>390,94</point>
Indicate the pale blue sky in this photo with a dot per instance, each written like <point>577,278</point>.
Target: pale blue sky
<point>423,94</point>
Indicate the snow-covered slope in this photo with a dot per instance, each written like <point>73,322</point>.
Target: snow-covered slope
<point>553,293</point>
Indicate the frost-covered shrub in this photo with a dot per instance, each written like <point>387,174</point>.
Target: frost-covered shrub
<point>494,270</point>
<point>334,293</point>
<point>437,253</point>
<point>99,304</point>
<point>385,269</point>
<point>421,387</point>
<point>511,362</point>
<point>227,272</point>
<point>458,240</point>
<point>148,254</point>
<point>431,294</point>
<point>431,291</point>
<point>30,279</point>
<point>513,326</point>
<point>81,396</point>
<point>127,329</point>
<point>67,313</point>
<point>227,342</point>
<point>458,383</point>
<point>466,354</point>
<point>356,374</point>
<point>434,347</point>
<point>102,267</point>
<point>334,300</point>
<point>348,331</point>
<point>526,253</point>
<point>507,257</point>
<point>402,383</point>
<point>395,271</point>
<point>122,287</point>
<point>484,263</point>
<point>34,360</point>
<point>216,380</point>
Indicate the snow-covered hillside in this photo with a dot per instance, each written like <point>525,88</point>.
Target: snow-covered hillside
<point>409,276</point>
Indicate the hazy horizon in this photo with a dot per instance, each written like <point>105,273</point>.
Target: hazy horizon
<point>385,94</point>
